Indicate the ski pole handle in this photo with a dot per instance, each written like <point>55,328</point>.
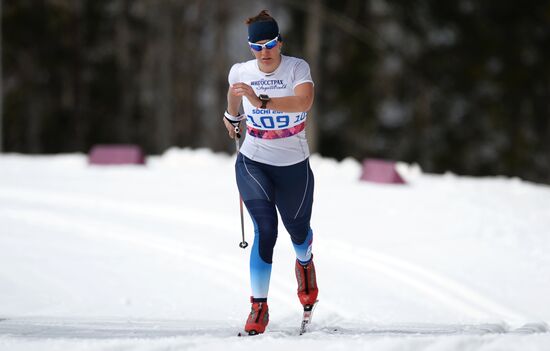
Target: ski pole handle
<point>238,134</point>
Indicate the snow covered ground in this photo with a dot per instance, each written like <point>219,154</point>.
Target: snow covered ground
<point>147,258</point>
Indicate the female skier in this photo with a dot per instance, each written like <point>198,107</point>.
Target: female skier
<point>272,168</point>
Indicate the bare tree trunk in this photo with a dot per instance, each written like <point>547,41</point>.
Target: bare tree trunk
<point>213,131</point>
<point>35,111</point>
<point>189,64</point>
<point>78,94</point>
<point>35,107</point>
<point>546,137</point>
<point>123,125</point>
<point>165,83</point>
<point>313,47</point>
<point>1,88</point>
<point>147,77</point>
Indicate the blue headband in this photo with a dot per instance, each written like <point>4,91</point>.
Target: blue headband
<point>262,30</point>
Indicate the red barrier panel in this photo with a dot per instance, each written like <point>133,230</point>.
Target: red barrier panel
<point>116,155</point>
<point>381,171</point>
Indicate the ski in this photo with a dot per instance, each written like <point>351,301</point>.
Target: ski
<point>306,318</point>
<point>306,321</point>
<point>244,333</point>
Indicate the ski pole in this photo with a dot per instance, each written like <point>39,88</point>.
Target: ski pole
<point>243,244</point>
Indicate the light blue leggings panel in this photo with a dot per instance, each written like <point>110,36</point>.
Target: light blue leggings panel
<point>303,251</point>
<point>260,271</point>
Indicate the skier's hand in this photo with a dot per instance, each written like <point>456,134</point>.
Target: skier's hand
<point>231,127</point>
<point>243,89</point>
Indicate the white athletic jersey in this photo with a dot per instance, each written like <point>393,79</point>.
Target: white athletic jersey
<point>285,151</point>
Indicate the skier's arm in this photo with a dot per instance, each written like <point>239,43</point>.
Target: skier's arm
<point>300,102</point>
<point>233,103</point>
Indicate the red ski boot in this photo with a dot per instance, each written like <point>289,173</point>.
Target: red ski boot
<point>258,318</point>
<point>307,283</point>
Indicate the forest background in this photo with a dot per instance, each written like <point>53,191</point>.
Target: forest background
<point>460,86</point>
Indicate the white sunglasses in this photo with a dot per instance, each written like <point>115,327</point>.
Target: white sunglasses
<point>269,45</point>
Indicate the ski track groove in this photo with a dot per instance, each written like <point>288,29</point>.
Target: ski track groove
<point>93,202</point>
<point>451,293</point>
<point>159,213</point>
<point>95,229</point>
<point>102,230</point>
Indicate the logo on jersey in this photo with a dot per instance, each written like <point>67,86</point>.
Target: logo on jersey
<point>268,84</point>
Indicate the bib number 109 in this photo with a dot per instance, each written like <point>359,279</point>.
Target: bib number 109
<point>274,122</point>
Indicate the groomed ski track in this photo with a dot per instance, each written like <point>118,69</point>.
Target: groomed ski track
<point>398,267</point>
